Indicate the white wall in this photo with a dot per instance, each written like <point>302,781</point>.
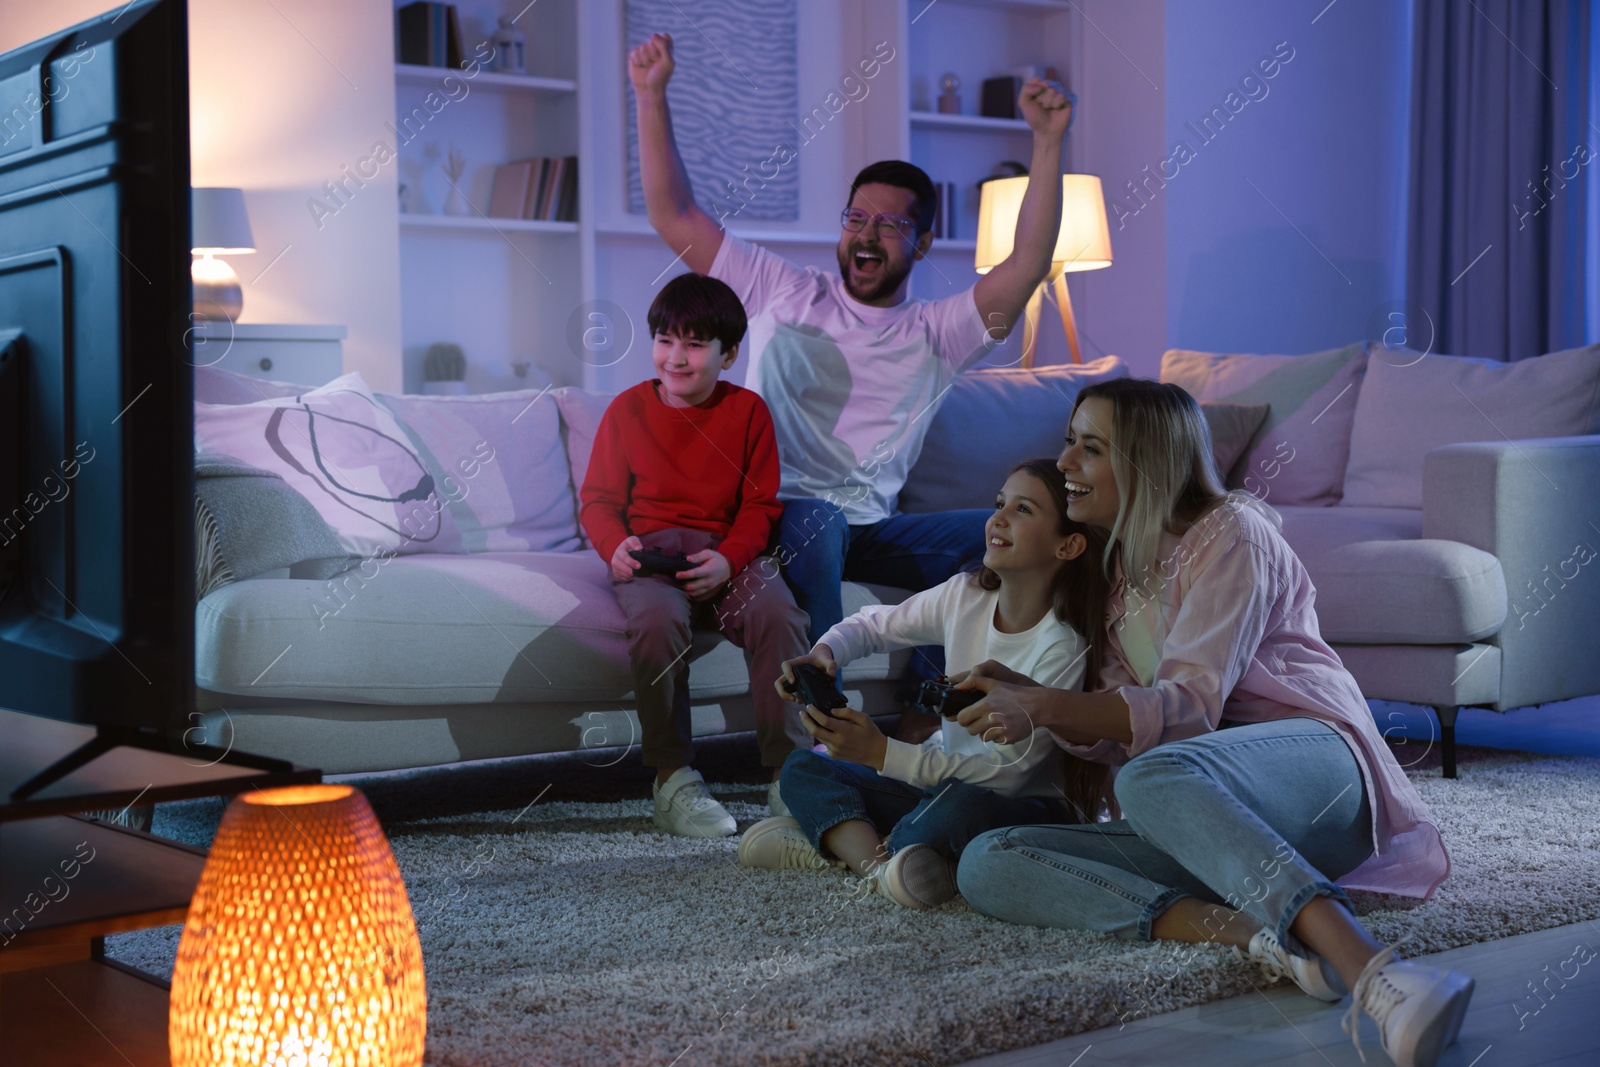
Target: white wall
<point>282,96</point>
<point>1204,258</point>
<point>1122,91</point>
<point>1285,233</point>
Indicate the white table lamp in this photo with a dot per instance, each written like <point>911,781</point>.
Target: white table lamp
<point>1084,242</point>
<point>220,227</point>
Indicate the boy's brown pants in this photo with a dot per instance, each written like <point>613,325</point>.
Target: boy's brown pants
<point>757,613</point>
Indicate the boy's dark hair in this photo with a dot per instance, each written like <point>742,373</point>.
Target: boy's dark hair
<point>693,305</point>
<point>905,176</point>
<point>1078,597</point>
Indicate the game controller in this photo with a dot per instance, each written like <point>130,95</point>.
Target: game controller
<point>942,698</point>
<point>653,561</point>
<point>813,686</point>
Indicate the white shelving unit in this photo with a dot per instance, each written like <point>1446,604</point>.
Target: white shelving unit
<point>484,222</point>
<point>513,289</point>
<point>493,285</point>
<point>411,73</point>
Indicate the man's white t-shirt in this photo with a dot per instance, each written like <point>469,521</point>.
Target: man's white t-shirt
<point>852,388</point>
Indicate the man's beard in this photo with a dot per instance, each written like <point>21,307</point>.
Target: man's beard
<point>887,281</point>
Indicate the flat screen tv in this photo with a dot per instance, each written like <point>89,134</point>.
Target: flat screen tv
<point>96,409</point>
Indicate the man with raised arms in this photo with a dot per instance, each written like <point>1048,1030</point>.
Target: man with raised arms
<point>849,365</point>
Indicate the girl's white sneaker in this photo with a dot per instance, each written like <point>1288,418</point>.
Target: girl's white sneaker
<point>778,844</point>
<point>915,877</point>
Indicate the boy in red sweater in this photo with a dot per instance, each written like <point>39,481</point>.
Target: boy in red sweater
<point>687,463</point>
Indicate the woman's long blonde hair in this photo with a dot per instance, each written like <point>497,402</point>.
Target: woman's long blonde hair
<point>1166,475</point>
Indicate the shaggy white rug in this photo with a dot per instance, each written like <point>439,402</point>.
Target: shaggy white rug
<point>561,928</point>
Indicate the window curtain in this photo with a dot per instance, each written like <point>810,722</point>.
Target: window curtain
<point>1502,144</point>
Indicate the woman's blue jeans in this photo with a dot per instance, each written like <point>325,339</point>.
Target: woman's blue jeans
<point>823,792</point>
<point>1259,817</point>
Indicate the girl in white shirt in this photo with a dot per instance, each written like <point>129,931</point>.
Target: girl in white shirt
<point>899,814</point>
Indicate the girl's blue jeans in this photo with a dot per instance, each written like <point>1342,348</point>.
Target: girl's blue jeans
<point>1259,817</point>
<point>823,792</point>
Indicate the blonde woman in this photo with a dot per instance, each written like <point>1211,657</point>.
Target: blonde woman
<point>1254,781</point>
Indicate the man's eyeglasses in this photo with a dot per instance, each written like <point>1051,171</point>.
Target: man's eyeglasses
<point>887,227</point>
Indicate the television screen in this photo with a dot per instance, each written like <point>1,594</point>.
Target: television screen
<point>96,467</point>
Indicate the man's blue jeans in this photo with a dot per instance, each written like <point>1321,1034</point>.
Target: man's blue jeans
<point>823,792</point>
<point>819,550</point>
<point>1259,817</point>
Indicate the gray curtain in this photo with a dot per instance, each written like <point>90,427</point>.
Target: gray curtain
<point>1502,142</point>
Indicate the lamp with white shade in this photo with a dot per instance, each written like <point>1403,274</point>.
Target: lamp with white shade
<point>220,227</point>
<point>1084,242</point>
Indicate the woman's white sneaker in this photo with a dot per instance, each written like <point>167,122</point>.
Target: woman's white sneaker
<point>778,844</point>
<point>1316,977</point>
<point>1418,1008</point>
<point>684,806</point>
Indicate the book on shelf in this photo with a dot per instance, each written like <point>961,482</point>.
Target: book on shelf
<point>542,188</point>
<point>944,219</point>
<point>428,35</point>
<point>512,182</point>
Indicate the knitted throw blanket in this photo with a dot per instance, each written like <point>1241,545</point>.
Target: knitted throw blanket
<point>248,521</point>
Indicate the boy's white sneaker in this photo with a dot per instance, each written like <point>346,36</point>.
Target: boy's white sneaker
<point>775,805</point>
<point>1316,977</point>
<point>1418,1008</point>
<point>685,807</point>
<point>778,844</point>
<point>915,877</point>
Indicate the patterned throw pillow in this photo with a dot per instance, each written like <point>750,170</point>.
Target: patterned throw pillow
<point>1299,456</point>
<point>344,452</point>
<point>499,461</point>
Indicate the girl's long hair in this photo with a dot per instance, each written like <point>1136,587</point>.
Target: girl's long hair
<point>1166,474</point>
<point>1078,596</point>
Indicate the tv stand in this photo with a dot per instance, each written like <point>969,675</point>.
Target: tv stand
<point>67,881</point>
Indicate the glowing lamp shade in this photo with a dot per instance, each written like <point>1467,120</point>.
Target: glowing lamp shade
<point>299,949</point>
<point>1084,242</point>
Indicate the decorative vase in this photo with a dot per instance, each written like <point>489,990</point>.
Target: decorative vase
<point>456,203</point>
<point>510,49</point>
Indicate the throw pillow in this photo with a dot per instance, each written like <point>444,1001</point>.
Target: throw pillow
<point>581,411</point>
<point>1299,456</point>
<point>991,420</point>
<point>1412,404</point>
<point>1233,427</point>
<point>345,453</point>
<point>498,459</point>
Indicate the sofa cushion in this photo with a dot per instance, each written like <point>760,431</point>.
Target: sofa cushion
<point>991,420</point>
<point>499,462</point>
<point>581,411</point>
<point>1299,456</point>
<point>344,452</point>
<point>1379,582</point>
<point>491,627</point>
<point>1412,404</point>
<point>1233,427</point>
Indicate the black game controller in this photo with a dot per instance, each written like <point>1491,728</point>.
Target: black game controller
<point>942,698</point>
<point>813,686</point>
<point>653,561</point>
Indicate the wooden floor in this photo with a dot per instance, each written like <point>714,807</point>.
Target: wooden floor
<point>1507,1025</point>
